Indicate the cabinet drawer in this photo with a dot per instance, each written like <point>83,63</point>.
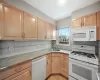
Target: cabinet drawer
<point>55,54</point>
<point>14,70</point>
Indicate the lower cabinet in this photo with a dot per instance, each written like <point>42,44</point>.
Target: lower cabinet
<point>18,72</point>
<point>24,75</point>
<point>64,65</point>
<point>58,64</point>
<point>49,64</point>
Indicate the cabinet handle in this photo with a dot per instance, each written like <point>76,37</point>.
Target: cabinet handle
<point>22,35</point>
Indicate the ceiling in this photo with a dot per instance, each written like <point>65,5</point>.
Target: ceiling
<point>58,9</point>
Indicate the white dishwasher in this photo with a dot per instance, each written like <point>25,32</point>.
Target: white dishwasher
<point>39,69</point>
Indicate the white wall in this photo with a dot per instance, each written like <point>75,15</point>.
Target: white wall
<point>63,22</point>
<point>87,10</point>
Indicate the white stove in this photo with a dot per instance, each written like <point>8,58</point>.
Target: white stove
<point>83,63</point>
<point>85,57</point>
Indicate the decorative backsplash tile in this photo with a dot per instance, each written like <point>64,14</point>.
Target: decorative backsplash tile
<point>11,48</point>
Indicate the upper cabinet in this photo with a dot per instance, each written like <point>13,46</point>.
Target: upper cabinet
<point>12,23</point>
<point>53,32</point>
<point>41,30</point>
<point>98,25</point>
<point>1,19</point>
<point>16,24</point>
<point>30,27</point>
<point>48,31</point>
<point>90,20</point>
<point>86,21</point>
<point>77,23</point>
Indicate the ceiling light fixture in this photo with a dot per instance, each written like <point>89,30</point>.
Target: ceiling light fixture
<point>62,2</point>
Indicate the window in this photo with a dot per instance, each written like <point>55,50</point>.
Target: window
<point>63,37</point>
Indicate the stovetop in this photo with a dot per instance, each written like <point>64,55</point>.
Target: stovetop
<point>84,54</point>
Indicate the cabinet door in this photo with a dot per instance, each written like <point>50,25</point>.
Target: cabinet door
<point>64,65</point>
<point>98,25</point>
<point>90,20</point>
<point>41,30</point>
<point>56,65</point>
<point>48,65</point>
<point>1,19</point>
<point>25,76</point>
<point>48,31</point>
<point>12,27</point>
<point>77,23</point>
<point>53,32</point>
<point>30,27</point>
<point>22,75</point>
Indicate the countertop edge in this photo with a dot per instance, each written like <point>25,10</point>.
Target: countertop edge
<point>5,68</point>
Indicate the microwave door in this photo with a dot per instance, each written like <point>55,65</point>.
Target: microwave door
<point>81,36</point>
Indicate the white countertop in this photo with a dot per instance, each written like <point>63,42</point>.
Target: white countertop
<point>63,51</point>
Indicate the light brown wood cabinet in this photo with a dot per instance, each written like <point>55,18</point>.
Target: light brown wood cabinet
<point>41,30</point>
<point>98,25</point>
<point>48,31</point>
<point>49,65</point>
<point>64,65</point>
<point>30,27</point>
<point>24,75</point>
<point>1,19</point>
<point>77,23</point>
<point>89,20</point>
<point>53,32</point>
<point>16,24</point>
<point>58,64</point>
<point>18,72</point>
<point>12,23</point>
<point>85,21</point>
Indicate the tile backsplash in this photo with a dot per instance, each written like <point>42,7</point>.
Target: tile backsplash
<point>11,48</point>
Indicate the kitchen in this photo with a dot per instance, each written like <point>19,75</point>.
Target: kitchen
<point>49,40</point>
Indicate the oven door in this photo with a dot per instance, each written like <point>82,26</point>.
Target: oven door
<point>81,35</point>
<point>82,70</point>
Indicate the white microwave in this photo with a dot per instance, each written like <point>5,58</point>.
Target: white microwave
<point>84,34</point>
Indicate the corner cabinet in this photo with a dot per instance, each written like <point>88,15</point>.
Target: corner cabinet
<point>11,28</point>
<point>57,64</point>
<point>30,27</point>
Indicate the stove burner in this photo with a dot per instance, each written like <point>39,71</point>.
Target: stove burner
<point>89,55</point>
